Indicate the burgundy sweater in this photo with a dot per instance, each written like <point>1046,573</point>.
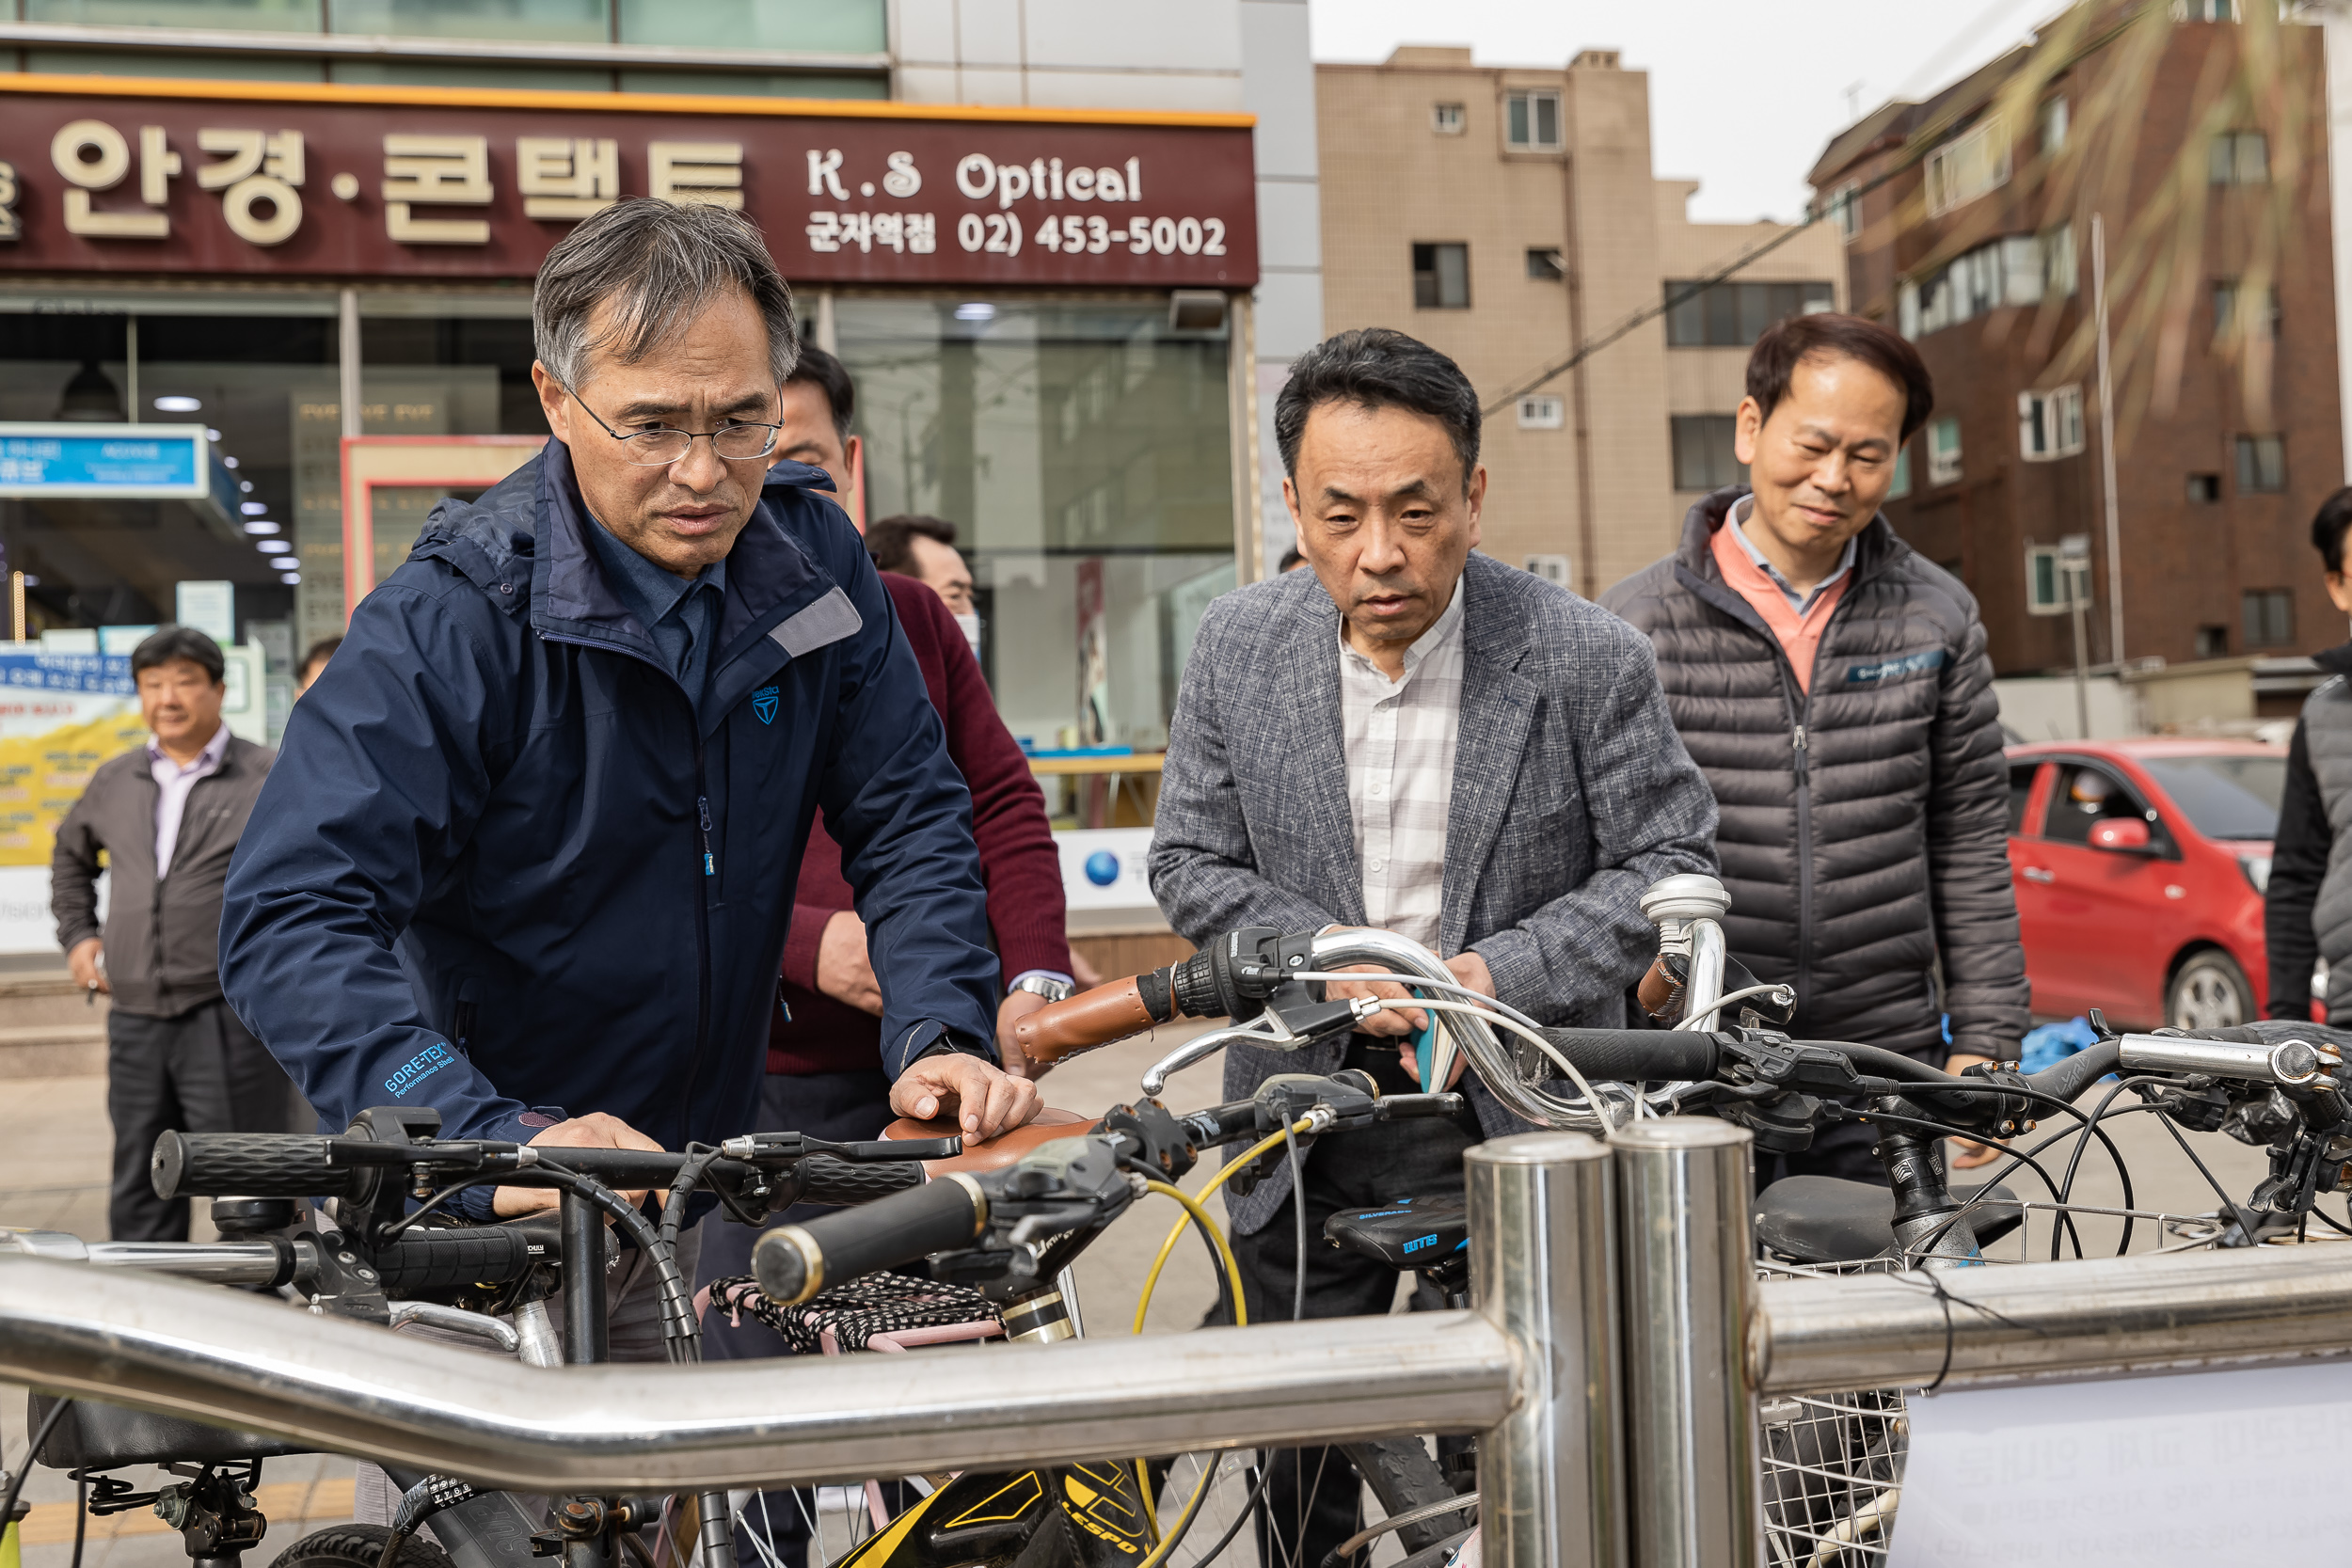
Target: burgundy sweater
<point>1017,860</point>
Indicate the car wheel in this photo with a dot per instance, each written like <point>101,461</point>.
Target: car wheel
<point>2209,991</point>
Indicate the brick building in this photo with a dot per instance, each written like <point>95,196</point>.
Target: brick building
<point>1967,252</point>
<point>1505,216</point>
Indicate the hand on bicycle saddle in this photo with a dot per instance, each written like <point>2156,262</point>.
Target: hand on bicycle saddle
<point>982,1097</point>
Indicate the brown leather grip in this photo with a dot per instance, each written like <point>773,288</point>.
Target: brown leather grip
<point>1091,1018</point>
<point>1661,993</point>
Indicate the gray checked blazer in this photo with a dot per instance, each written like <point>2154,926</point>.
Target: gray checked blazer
<point>1571,795</point>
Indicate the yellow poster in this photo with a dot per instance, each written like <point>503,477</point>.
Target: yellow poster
<point>57,722</point>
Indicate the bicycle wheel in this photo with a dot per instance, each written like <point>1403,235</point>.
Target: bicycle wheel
<point>358,1547</point>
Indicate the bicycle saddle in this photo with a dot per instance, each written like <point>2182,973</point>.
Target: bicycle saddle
<point>1410,1233</point>
<point>998,1151</point>
<point>108,1437</point>
<point>1824,1219</point>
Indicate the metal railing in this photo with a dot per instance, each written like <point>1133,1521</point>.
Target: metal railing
<point>1613,1361</point>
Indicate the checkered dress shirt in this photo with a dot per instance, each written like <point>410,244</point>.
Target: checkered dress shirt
<point>1400,741</point>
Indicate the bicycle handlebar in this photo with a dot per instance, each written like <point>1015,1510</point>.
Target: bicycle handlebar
<point>1109,1012</point>
<point>792,1262</point>
<point>826,1180</point>
<point>249,1164</point>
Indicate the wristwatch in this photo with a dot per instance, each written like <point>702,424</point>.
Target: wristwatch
<point>1044,985</point>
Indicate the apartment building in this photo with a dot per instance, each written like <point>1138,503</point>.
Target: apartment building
<point>1506,216</point>
<point>1954,236</point>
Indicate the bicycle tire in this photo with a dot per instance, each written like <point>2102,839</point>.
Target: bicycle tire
<point>1403,1476</point>
<point>358,1547</point>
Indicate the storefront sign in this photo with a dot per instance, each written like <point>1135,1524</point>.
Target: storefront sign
<point>112,460</point>
<point>296,179</point>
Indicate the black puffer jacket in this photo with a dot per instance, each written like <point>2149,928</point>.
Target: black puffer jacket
<point>1864,826</point>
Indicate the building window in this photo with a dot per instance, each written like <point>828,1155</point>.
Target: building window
<point>2213,641</point>
<point>1899,486</point>
<point>2262,465</point>
<point>1843,211</point>
<point>1546,266</point>
<point>2267,617</point>
<point>2240,158</point>
<point>1551,568</point>
<point>2204,11</point>
<point>2055,574</point>
<point>1965,169</point>
<point>1703,458</point>
<point>2226,296</point>
<point>2050,423</point>
<point>1532,121</point>
<point>1542,411</point>
<point>1442,278</point>
<point>1734,315</point>
<point>1446,119</point>
<point>1943,451</point>
<point>2020,269</point>
<point>2204,487</point>
<point>2052,126</point>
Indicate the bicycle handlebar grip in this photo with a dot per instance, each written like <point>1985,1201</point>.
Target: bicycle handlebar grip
<point>1091,1018</point>
<point>436,1259</point>
<point>826,1180</point>
<point>1634,1055</point>
<point>792,1262</point>
<point>247,1164</point>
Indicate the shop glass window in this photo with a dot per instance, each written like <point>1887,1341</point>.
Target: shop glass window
<point>1083,452</point>
<point>823,26</point>
<point>2240,158</point>
<point>542,21</point>
<point>1532,121</point>
<point>1734,315</point>
<point>2262,465</point>
<point>273,16</point>
<point>1442,278</point>
<point>2267,617</point>
<point>1703,458</point>
<point>245,378</point>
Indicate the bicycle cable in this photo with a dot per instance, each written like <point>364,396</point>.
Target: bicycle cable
<point>1946,1130</point>
<point>1600,1108</point>
<point>23,1471</point>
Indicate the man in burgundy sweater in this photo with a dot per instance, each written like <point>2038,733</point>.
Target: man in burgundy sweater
<point>824,1043</point>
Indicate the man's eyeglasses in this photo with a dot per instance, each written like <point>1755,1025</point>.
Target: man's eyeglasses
<point>736,441</point>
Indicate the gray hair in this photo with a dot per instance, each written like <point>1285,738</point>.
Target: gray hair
<point>660,264</point>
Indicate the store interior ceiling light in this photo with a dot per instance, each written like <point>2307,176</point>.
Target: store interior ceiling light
<point>253,509</point>
<point>978,311</point>
<point>231,463</point>
<point>290,580</point>
<point>213,435</point>
<point>177,406</point>
<point>261,525</point>
<point>273,547</point>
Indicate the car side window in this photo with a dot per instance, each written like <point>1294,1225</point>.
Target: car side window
<point>2021,777</point>
<point>2085,797</point>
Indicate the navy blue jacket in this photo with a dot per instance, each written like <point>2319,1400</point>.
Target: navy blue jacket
<point>503,869</point>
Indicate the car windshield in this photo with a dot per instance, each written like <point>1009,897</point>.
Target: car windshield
<point>2224,797</point>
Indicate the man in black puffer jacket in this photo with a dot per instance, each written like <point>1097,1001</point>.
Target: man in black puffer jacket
<point>1833,685</point>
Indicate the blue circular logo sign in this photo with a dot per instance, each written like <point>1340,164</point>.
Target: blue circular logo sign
<point>1101,868</point>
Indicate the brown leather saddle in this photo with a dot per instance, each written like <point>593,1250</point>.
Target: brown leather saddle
<point>998,1151</point>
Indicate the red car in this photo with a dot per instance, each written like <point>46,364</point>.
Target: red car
<point>2140,867</point>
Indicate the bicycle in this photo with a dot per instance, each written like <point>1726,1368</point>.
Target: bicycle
<point>384,1262</point>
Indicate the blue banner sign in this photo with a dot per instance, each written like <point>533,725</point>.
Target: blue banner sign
<point>92,674</point>
<point>85,460</point>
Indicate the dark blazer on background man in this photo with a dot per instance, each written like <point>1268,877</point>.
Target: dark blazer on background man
<point>1571,795</point>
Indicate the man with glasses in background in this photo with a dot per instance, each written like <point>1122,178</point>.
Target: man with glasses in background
<point>528,856</point>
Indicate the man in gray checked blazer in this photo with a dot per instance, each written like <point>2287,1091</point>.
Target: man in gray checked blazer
<point>1418,738</point>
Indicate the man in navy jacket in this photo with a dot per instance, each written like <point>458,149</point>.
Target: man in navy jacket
<point>529,851</point>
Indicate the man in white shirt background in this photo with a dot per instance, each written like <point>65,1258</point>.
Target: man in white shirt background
<point>167,816</point>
